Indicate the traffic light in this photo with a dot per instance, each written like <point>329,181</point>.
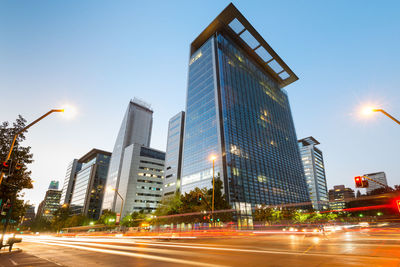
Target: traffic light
<point>365,183</point>
<point>398,204</point>
<point>199,198</point>
<point>358,181</point>
<point>5,166</point>
<point>5,208</point>
<point>218,220</point>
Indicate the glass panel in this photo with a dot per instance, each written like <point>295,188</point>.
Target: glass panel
<point>275,66</point>
<point>236,26</point>
<point>284,75</point>
<point>263,54</point>
<point>249,39</point>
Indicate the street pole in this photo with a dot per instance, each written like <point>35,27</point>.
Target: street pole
<point>212,212</point>
<point>122,203</point>
<point>387,114</point>
<point>23,130</point>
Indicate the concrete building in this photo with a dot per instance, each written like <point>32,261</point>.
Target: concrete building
<point>339,196</point>
<point>173,156</point>
<point>141,179</point>
<point>135,128</point>
<point>90,182</point>
<point>238,111</point>
<point>377,176</point>
<point>69,181</point>
<point>314,171</point>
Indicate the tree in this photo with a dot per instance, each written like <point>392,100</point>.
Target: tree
<point>108,217</point>
<point>134,219</point>
<point>300,216</point>
<point>263,214</point>
<point>60,218</point>
<point>15,181</point>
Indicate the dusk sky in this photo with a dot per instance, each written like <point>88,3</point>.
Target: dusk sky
<point>97,55</point>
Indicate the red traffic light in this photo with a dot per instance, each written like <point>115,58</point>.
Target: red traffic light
<point>398,204</point>
<point>358,181</point>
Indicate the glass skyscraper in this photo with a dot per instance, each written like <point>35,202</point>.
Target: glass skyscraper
<point>135,129</point>
<point>314,171</point>
<point>69,182</point>
<point>237,110</point>
<point>87,196</point>
<point>173,158</point>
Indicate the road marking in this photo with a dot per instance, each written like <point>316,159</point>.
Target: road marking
<point>13,262</point>
<point>136,255</point>
<point>45,259</point>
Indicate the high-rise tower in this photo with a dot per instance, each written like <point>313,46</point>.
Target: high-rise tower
<point>314,171</point>
<point>135,129</point>
<point>237,110</point>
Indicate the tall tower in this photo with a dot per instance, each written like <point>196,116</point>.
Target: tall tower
<point>237,110</point>
<point>173,158</point>
<point>314,171</point>
<point>135,129</point>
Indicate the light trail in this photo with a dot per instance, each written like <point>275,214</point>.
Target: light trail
<point>131,254</point>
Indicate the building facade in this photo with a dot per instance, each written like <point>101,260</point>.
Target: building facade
<point>69,181</point>
<point>237,110</point>
<point>141,179</point>
<point>135,128</point>
<point>377,176</point>
<point>50,203</point>
<point>29,215</point>
<point>314,171</point>
<point>173,156</point>
<point>90,182</point>
<point>339,196</point>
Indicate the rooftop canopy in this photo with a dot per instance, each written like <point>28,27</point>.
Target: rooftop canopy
<point>233,23</point>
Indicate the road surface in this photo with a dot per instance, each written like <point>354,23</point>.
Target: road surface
<point>339,249</point>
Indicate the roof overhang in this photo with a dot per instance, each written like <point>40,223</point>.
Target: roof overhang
<point>233,23</point>
<point>92,153</point>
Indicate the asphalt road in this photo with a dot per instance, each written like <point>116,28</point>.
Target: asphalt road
<point>339,249</point>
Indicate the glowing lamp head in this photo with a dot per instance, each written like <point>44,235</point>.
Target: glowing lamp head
<point>213,157</point>
<point>110,189</point>
<point>69,111</point>
<point>368,110</point>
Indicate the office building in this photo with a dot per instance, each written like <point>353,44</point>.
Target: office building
<point>339,196</point>
<point>314,171</point>
<point>377,176</point>
<point>50,203</point>
<point>135,129</point>
<point>54,185</point>
<point>90,181</point>
<point>238,111</point>
<point>29,215</point>
<point>141,179</point>
<point>69,181</point>
<point>173,156</point>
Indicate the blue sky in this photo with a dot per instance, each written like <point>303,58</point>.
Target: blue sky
<point>97,55</point>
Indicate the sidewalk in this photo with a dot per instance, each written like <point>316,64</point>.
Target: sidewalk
<point>19,258</point>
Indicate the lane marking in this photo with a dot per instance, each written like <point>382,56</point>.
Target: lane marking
<point>44,259</point>
<point>13,262</point>
<point>135,255</point>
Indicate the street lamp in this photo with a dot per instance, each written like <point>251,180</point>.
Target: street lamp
<point>213,158</point>
<point>369,110</point>
<point>109,188</point>
<point>23,130</point>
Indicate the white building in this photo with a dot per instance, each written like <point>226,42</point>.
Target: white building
<point>314,171</point>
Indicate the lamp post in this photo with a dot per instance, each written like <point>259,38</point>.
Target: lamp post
<point>213,158</point>
<point>23,130</point>
<point>387,114</point>
<point>122,201</point>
